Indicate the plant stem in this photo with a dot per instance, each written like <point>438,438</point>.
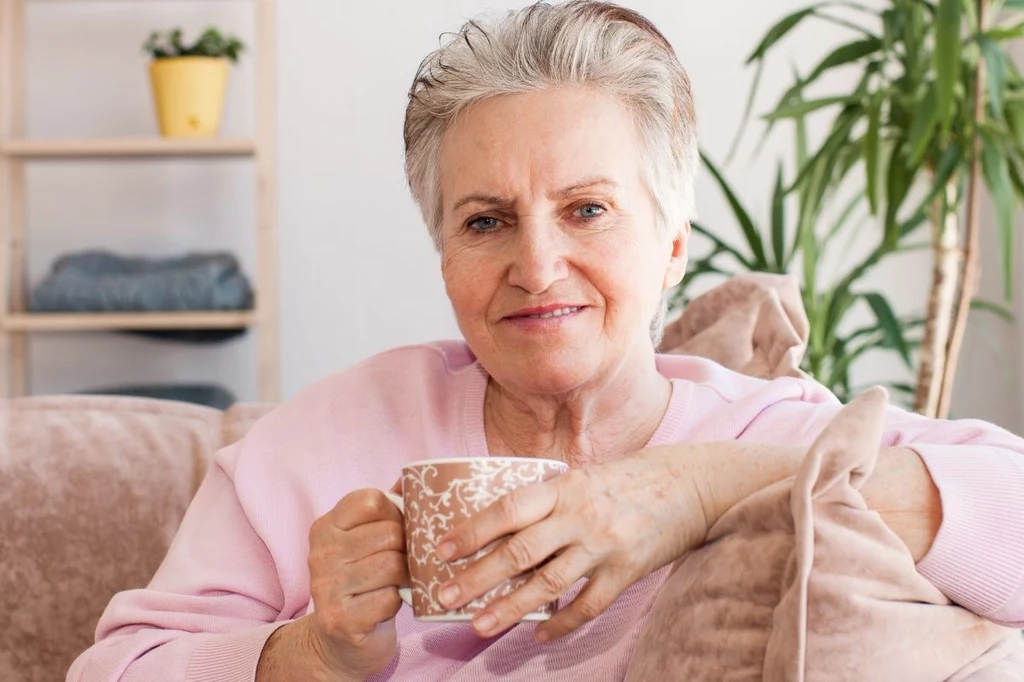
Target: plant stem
<point>945,276</point>
<point>970,268</point>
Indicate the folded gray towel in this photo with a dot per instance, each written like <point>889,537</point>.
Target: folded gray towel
<point>100,281</point>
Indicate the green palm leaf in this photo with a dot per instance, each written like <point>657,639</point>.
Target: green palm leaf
<point>947,59</point>
<point>760,261</point>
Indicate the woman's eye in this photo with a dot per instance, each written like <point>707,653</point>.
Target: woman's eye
<point>484,223</point>
<point>590,211</point>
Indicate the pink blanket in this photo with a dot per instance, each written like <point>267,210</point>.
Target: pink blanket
<point>802,582</point>
<point>754,324</point>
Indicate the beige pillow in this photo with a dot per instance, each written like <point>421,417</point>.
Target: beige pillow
<point>803,582</point>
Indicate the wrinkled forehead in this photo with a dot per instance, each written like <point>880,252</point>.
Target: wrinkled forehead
<point>538,143</point>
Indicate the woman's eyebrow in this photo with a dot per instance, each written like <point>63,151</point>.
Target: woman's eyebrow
<point>588,183</point>
<point>506,203</point>
<point>498,202</point>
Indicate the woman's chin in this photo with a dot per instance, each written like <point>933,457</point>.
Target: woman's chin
<point>545,376</point>
<point>552,366</point>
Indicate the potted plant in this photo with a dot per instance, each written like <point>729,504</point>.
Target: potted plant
<point>795,238</point>
<point>189,81</point>
<point>938,108</point>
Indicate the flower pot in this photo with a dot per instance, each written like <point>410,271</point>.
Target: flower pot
<point>189,94</point>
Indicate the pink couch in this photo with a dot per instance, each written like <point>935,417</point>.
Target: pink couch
<point>92,490</point>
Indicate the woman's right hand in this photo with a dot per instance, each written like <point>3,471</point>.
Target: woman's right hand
<point>357,563</point>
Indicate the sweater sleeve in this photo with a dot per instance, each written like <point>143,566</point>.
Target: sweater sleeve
<point>977,558</point>
<point>209,609</point>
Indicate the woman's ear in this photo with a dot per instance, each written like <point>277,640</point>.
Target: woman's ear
<point>677,259</point>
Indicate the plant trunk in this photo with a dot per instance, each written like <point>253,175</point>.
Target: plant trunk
<point>969,276</point>
<point>945,281</point>
<point>962,306</point>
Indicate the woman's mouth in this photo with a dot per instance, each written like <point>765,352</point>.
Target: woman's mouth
<point>558,312</point>
<point>545,317</point>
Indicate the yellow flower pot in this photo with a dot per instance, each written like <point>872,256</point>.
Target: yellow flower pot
<point>189,94</point>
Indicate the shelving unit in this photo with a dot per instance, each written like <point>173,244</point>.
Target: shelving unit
<point>73,322</point>
<point>16,151</point>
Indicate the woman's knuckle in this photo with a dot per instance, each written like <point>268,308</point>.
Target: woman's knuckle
<point>371,501</point>
<point>321,558</point>
<point>508,510</point>
<point>394,537</point>
<point>394,563</point>
<point>359,503</point>
<point>620,535</point>
<point>379,606</point>
<point>391,601</point>
<point>464,540</point>
<point>552,582</point>
<point>519,553</point>
<point>314,563</point>
<point>351,500</point>
<point>574,477</point>
<point>316,531</point>
<point>326,556</point>
<point>587,609</point>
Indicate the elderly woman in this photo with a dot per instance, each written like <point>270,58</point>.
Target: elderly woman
<point>553,154</point>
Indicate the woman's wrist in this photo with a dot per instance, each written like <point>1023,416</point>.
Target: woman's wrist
<point>674,467</point>
<point>294,653</point>
<point>714,477</point>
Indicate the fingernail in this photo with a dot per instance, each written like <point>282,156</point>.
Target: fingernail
<point>449,594</point>
<point>542,635</point>
<point>484,622</point>
<point>446,551</point>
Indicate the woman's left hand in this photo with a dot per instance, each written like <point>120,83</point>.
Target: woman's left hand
<point>613,523</point>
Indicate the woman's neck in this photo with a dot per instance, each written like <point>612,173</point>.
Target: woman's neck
<point>591,425</point>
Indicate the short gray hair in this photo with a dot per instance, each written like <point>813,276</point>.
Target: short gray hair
<point>579,43</point>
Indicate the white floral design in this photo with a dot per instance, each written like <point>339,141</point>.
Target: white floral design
<point>439,496</point>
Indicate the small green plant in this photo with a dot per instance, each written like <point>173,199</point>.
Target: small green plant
<point>212,43</point>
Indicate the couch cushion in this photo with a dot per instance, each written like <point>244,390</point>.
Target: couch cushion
<point>92,489</point>
<point>240,417</point>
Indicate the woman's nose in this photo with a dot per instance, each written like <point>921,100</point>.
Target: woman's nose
<point>539,257</point>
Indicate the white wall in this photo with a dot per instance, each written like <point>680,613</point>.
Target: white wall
<point>358,274</point>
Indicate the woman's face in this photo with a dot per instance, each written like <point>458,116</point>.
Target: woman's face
<point>550,253</point>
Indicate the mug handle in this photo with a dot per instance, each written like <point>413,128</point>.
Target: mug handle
<point>404,592</point>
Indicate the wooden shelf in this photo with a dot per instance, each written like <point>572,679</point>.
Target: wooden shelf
<point>77,322</point>
<point>126,147</point>
<point>19,151</point>
<point>150,1</point>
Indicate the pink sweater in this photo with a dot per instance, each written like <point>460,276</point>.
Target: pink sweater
<point>237,568</point>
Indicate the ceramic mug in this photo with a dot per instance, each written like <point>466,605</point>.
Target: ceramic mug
<point>438,495</point>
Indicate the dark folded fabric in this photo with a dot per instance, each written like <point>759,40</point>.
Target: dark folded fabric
<point>210,395</point>
<point>99,281</point>
<point>189,336</point>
